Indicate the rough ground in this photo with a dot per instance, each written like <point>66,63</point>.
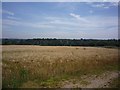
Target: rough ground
<point>92,81</point>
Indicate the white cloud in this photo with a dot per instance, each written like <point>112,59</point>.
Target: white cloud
<point>40,25</point>
<point>98,5</point>
<point>75,15</point>
<point>78,17</point>
<point>104,5</point>
<point>62,23</point>
<point>114,4</point>
<point>7,12</point>
<point>98,26</point>
<point>10,22</point>
<point>101,6</point>
<point>13,18</point>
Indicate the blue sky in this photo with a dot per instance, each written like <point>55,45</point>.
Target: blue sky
<point>60,20</point>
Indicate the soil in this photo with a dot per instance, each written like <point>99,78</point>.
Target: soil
<point>92,81</point>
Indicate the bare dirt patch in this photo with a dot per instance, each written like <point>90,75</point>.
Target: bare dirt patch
<point>93,81</point>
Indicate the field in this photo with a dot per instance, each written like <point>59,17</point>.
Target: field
<point>54,66</point>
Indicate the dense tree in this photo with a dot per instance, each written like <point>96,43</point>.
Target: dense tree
<point>61,42</point>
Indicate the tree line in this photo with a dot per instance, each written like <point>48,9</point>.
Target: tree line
<point>61,42</point>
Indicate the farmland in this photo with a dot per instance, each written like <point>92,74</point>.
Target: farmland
<point>25,66</point>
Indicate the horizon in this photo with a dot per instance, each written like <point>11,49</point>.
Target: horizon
<point>64,20</point>
<point>64,38</point>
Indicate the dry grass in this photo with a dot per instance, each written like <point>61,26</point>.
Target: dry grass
<point>44,66</point>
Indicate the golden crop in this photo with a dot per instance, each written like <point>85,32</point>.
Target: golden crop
<point>22,63</point>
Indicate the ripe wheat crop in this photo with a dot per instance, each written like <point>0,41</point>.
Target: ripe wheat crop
<point>43,66</point>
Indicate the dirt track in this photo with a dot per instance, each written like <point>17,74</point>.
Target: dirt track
<point>94,81</point>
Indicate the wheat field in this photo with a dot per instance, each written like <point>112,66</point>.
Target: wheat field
<point>44,66</point>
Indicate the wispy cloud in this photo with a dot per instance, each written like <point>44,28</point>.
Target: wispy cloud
<point>114,3</point>
<point>60,19</point>
<point>13,23</point>
<point>94,23</point>
<point>40,25</point>
<point>13,18</point>
<point>78,17</point>
<point>7,12</point>
<point>70,27</point>
<point>100,6</point>
<point>10,22</point>
<point>103,5</point>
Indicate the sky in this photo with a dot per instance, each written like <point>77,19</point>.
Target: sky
<point>63,20</point>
